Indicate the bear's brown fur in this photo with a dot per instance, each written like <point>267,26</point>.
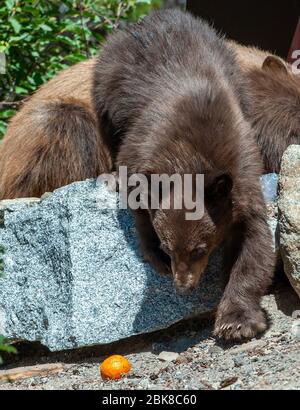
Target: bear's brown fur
<point>53,140</point>
<point>273,105</point>
<point>168,95</point>
<point>38,155</point>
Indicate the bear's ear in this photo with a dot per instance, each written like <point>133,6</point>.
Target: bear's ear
<point>219,188</point>
<point>274,64</point>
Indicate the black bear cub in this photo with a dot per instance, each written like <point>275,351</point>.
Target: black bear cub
<point>168,95</point>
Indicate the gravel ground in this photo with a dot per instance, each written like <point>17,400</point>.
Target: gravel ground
<point>271,362</point>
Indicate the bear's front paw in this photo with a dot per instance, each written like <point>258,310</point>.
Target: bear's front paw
<point>237,323</point>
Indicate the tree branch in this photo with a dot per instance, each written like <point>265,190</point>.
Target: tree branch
<point>10,104</point>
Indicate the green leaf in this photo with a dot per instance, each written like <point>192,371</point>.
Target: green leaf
<point>4,115</point>
<point>21,90</point>
<point>15,24</point>
<point>8,349</point>
<point>10,4</point>
<point>45,27</point>
<point>75,58</point>
<point>31,10</point>
<point>3,127</point>
<point>66,40</point>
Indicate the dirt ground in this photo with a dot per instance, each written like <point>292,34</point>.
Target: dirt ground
<point>200,362</point>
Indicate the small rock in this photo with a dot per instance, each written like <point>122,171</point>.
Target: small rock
<point>196,386</point>
<point>236,386</point>
<point>184,359</point>
<point>254,344</point>
<point>239,360</point>
<point>46,195</point>
<point>227,364</point>
<point>270,186</point>
<point>144,384</point>
<point>215,350</point>
<point>296,329</point>
<point>168,356</point>
<point>228,382</point>
<point>248,369</point>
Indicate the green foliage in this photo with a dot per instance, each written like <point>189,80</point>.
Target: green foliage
<point>6,348</point>
<point>41,37</point>
<point>5,115</point>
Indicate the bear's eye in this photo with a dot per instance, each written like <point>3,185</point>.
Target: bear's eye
<point>198,252</point>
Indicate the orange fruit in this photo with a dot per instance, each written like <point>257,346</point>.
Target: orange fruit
<point>114,367</point>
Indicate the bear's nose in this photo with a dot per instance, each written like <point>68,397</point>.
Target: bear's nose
<point>184,283</point>
<point>182,267</point>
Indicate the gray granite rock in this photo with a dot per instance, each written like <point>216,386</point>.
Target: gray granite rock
<point>74,277</point>
<point>289,214</point>
<point>73,274</point>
